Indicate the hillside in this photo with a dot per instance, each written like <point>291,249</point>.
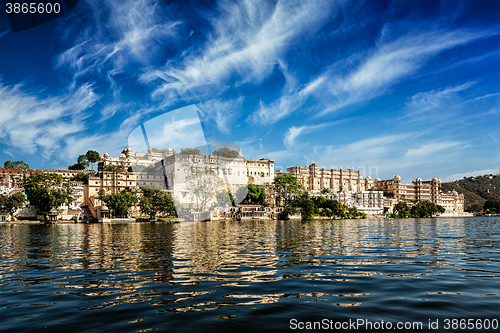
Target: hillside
<point>476,190</point>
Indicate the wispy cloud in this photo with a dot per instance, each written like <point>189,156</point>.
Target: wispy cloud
<point>104,40</point>
<point>435,103</point>
<point>28,121</point>
<point>248,39</point>
<point>424,152</point>
<point>394,61</point>
<point>368,74</point>
<point>458,176</point>
<point>118,33</point>
<point>221,112</point>
<point>294,132</point>
<point>451,105</point>
<point>3,33</point>
<point>293,98</point>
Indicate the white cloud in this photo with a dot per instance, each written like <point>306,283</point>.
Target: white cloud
<point>248,39</point>
<point>221,112</point>
<point>392,61</point>
<point>458,176</point>
<point>117,33</point>
<point>428,151</point>
<point>367,74</point>
<point>368,151</point>
<point>435,104</point>
<point>294,132</point>
<point>28,122</point>
<point>3,33</point>
<point>291,100</point>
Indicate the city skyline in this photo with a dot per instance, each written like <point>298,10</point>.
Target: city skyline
<point>407,87</point>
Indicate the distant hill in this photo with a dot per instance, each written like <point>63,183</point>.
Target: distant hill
<point>476,190</point>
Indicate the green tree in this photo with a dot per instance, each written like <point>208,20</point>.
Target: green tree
<point>425,209</point>
<point>226,152</point>
<point>287,211</point>
<point>476,208</point>
<point>190,151</point>
<point>10,204</point>
<point>81,177</point>
<point>154,202</point>
<point>76,166</point>
<point>287,187</point>
<point>307,207</point>
<point>92,156</point>
<point>16,165</point>
<point>253,194</point>
<point>81,164</point>
<point>401,208</point>
<point>225,199</point>
<point>82,160</point>
<point>329,207</point>
<point>492,206</point>
<point>204,186</point>
<point>120,202</point>
<point>46,190</point>
<point>326,190</point>
<point>353,212</point>
<point>419,210</point>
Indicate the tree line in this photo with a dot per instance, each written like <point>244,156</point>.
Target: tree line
<point>418,210</point>
<point>290,191</point>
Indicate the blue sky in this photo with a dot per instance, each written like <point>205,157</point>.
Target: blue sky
<point>385,87</point>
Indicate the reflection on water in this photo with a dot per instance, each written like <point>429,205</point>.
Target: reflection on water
<point>246,275</point>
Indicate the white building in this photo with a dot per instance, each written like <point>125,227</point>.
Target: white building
<point>368,202</point>
<point>235,172</point>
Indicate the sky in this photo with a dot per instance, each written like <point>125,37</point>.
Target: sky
<point>407,87</point>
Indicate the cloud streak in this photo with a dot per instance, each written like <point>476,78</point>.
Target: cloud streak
<point>246,43</point>
<point>368,74</point>
<point>28,121</point>
<point>116,35</point>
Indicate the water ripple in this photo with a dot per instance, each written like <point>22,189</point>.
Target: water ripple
<point>245,276</point>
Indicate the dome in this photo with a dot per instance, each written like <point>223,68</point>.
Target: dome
<point>368,178</point>
<point>397,177</point>
<point>435,179</point>
<point>314,164</point>
<point>126,150</point>
<point>53,211</point>
<point>377,179</point>
<point>419,179</point>
<point>454,192</point>
<point>170,151</point>
<point>104,208</point>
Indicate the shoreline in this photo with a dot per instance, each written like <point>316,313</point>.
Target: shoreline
<point>118,221</point>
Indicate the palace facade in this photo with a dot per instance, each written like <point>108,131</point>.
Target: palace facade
<point>421,190</point>
<point>235,172</point>
<point>316,179</point>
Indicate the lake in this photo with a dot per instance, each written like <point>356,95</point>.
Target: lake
<point>251,276</point>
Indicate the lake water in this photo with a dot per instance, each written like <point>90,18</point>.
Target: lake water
<point>249,276</point>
